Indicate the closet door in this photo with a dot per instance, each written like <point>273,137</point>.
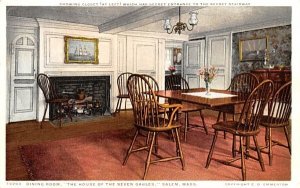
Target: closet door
<point>194,58</point>
<point>219,56</point>
<point>23,87</point>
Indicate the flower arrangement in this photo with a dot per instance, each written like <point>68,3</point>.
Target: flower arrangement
<point>208,74</point>
<point>172,68</point>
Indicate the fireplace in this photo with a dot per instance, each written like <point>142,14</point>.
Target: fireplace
<point>88,95</point>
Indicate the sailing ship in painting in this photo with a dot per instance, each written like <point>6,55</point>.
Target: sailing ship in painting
<point>81,51</point>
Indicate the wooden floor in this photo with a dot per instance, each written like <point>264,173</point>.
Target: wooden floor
<point>29,132</point>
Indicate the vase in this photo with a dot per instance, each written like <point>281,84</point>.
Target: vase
<point>207,87</point>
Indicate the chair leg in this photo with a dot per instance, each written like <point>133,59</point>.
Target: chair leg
<point>267,137</point>
<point>179,150</point>
<point>171,135</point>
<point>130,147</point>
<point>60,113</point>
<point>243,165</point>
<point>270,145</point>
<point>203,122</point>
<point>218,119</point>
<point>125,102</point>
<point>148,138</point>
<point>117,105</point>
<point>45,110</point>
<point>224,119</point>
<point>156,144</point>
<point>120,105</point>
<point>287,138</point>
<point>261,161</point>
<point>219,115</point>
<point>233,146</point>
<point>211,149</point>
<point>247,146</point>
<point>149,156</point>
<point>186,122</point>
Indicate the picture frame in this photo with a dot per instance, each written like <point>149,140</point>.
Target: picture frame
<point>177,56</point>
<point>81,50</point>
<point>253,49</point>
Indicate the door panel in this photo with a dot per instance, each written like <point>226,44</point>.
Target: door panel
<point>194,56</point>
<point>23,89</point>
<point>21,105</point>
<point>24,62</point>
<point>145,59</point>
<point>146,56</point>
<point>193,80</point>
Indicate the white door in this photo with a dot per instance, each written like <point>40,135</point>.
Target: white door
<point>194,58</point>
<point>219,56</point>
<point>146,57</point>
<point>23,54</point>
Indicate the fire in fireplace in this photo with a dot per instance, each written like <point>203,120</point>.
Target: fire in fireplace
<point>88,95</point>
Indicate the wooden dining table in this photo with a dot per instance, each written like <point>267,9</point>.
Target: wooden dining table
<point>217,98</point>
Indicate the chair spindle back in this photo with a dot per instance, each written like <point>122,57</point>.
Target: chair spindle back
<point>47,86</point>
<point>280,106</point>
<point>144,101</point>
<point>244,82</point>
<point>254,106</point>
<point>175,82</point>
<point>122,81</point>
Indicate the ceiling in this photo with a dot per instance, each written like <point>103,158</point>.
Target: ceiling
<point>122,18</point>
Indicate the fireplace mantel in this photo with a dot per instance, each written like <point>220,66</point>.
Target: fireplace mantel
<point>79,73</point>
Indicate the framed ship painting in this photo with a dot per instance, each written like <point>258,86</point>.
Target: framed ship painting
<point>253,49</point>
<point>81,50</point>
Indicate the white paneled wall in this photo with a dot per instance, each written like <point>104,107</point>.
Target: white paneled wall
<point>137,52</point>
<point>134,52</point>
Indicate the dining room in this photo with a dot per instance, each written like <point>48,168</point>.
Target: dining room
<point>183,93</point>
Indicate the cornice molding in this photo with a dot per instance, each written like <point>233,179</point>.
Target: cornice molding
<point>140,17</point>
<point>249,27</point>
<point>45,23</point>
<point>13,21</point>
<point>127,21</point>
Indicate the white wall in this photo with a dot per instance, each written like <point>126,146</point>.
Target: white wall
<point>137,52</point>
